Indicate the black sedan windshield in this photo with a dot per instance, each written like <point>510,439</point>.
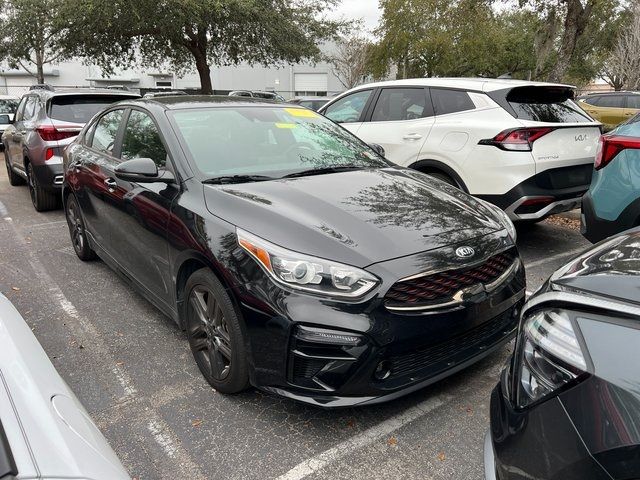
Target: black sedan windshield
<point>270,141</point>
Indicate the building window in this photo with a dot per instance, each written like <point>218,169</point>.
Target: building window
<point>164,84</point>
<point>301,93</point>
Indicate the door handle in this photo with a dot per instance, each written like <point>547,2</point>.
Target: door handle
<point>111,184</point>
<point>412,136</point>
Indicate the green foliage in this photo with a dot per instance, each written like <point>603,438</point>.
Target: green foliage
<point>181,34</point>
<point>424,38</point>
<point>31,34</point>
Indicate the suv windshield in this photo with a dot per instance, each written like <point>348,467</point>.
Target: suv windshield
<point>80,108</point>
<point>269,141</point>
<point>8,106</point>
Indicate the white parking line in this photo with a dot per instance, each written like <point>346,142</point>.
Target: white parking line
<point>557,256</point>
<point>162,438</point>
<point>363,439</point>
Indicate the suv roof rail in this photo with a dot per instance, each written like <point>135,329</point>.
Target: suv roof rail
<point>41,86</point>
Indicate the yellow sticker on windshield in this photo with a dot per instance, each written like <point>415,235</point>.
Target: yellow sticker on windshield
<point>301,112</point>
<point>285,125</point>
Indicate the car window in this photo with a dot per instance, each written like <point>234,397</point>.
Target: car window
<point>630,128</point>
<point>546,104</point>
<point>611,101</point>
<point>8,105</point>
<point>400,104</point>
<point>269,141</point>
<point>450,101</point>
<point>79,108</point>
<point>106,129</point>
<point>349,108</point>
<point>30,108</point>
<point>633,101</point>
<point>142,140</point>
<point>593,100</point>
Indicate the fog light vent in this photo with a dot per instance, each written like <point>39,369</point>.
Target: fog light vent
<point>383,370</point>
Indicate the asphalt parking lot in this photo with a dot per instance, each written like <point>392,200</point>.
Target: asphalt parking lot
<point>132,369</point>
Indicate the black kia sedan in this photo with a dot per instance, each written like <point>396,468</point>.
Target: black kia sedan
<point>568,404</point>
<point>296,258</point>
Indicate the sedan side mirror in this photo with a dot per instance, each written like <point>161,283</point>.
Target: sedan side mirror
<point>142,170</point>
<point>5,119</point>
<point>377,148</point>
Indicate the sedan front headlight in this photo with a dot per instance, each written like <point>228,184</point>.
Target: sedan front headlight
<point>504,219</point>
<point>549,356</point>
<point>306,273</point>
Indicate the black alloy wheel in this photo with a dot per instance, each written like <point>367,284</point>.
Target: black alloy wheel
<point>14,178</point>
<point>77,230</point>
<point>214,333</point>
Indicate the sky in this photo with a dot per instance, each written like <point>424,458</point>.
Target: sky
<point>365,9</point>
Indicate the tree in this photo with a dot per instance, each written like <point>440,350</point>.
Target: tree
<point>32,35</point>
<point>198,33</point>
<point>349,62</point>
<point>622,67</point>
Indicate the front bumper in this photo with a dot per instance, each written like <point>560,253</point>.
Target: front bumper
<point>549,192</point>
<point>365,353</point>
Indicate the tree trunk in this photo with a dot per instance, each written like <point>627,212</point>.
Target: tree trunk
<point>39,67</point>
<point>574,26</point>
<point>204,72</point>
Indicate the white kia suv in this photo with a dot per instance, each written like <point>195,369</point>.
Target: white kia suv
<point>524,146</point>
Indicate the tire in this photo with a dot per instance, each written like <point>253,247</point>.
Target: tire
<point>14,178</point>
<point>214,333</point>
<point>77,231</point>
<point>42,199</point>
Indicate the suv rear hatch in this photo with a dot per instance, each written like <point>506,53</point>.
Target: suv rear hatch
<point>567,135</point>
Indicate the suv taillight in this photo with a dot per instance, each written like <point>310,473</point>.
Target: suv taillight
<point>610,146</point>
<point>49,133</point>
<point>517,139</point>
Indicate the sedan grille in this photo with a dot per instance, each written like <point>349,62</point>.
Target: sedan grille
<point>440,287</point>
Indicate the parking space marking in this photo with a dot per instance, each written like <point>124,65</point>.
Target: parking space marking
<point>558,256</point>
<point>162,438</point>
<point>361,440</point>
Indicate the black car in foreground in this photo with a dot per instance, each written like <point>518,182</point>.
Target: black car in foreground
<point>296,258</point>
<point>568,404</point>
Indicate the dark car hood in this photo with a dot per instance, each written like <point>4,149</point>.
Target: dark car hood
<point>359,217</point>
<point>611,268</point>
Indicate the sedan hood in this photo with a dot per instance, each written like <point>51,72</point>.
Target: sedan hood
<point>358,217</point>
<point>611,268</point>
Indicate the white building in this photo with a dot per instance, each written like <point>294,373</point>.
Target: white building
<point>289,81</point>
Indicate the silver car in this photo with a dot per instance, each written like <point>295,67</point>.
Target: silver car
<point>45,433</point>
<point>8,106</point>
<point>46,121</point>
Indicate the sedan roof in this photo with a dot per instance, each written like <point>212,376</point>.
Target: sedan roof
<point>199,101</point>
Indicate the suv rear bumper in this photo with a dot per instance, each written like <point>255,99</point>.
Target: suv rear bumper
<point>546,193</point>
<point>595,228</point>
<point>50,176</point>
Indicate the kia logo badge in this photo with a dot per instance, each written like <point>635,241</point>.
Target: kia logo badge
<point>465,252</point>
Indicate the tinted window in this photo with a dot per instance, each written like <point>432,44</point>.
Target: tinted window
<point>268,141</point>
<point>633,101</point>
<point>349,108</point>
<point>104,134</point>
<point>8,106</point>
<point>611,101</point>
<point>592,100</point>
<point>450,101</point>
<point>79,108</point>
<point>142,139</point>
<point>546,104</point>
<point>30,108</point>
<point>400,104</point>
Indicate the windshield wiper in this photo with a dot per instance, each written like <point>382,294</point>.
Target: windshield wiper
<point>225,179</point>
<point>320,171</point>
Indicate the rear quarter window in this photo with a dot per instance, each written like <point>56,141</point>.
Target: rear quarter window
<point>450,101</point>
<point>629,129</point>
<point>546,104</point>
<point>79,108</point>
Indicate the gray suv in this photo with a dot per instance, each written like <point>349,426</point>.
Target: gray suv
<point>45,122</point>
